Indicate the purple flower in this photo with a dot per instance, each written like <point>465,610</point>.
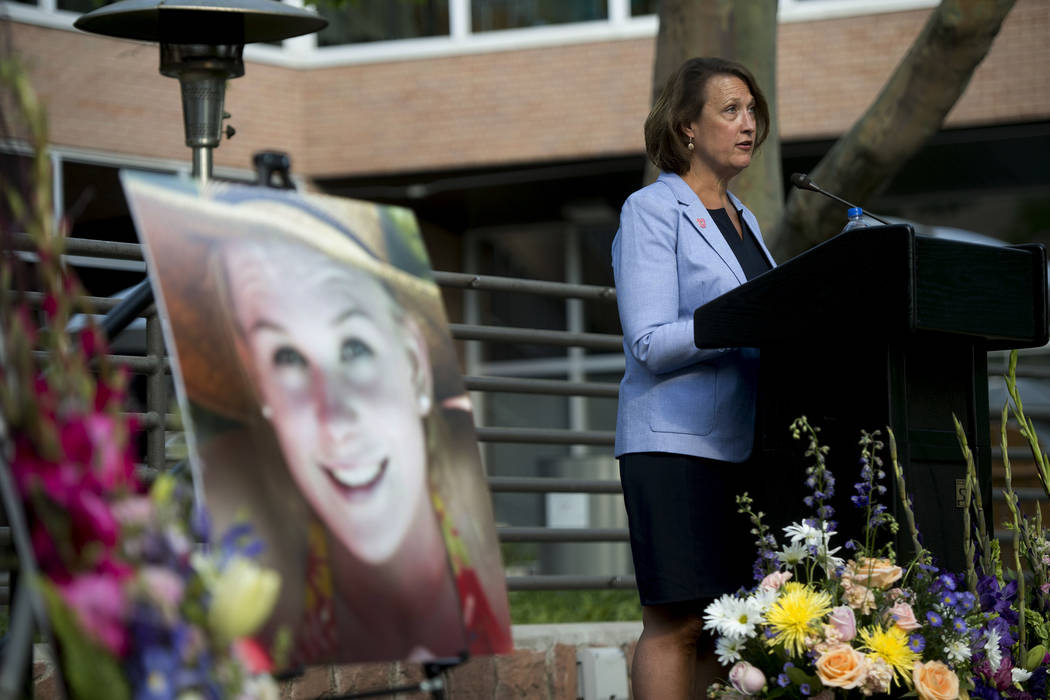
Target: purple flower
<point>934,619</point>
<point>783,681</point>
<point>959,624</point>
<point>916,643</point>
<point>153,673</point>
<point>804,689</point>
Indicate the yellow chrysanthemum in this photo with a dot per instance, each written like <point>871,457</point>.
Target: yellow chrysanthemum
<point>890,645</point>
<point>795,615</point>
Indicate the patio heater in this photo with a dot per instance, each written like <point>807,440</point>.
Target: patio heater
<point>201,44</point>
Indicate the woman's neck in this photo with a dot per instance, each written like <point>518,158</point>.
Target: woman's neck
<point>711,189</point>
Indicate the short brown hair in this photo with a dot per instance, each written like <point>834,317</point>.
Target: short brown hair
<point>681,102</point>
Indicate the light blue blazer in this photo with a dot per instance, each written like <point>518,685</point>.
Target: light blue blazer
<point>669,257</point>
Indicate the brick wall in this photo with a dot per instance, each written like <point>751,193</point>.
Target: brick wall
<point>542,667</point>
<point>575,101</point>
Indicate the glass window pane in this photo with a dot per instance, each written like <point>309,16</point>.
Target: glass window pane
<point>79,6</point>
<point>644,7</point>
<point>361,21</point>
<point>488,15</point>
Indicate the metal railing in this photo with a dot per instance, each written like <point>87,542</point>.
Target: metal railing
<point>157,423</point>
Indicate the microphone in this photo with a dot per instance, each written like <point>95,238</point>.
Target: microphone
<point>802,181</point>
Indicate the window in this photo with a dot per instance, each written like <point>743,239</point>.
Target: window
<point>365,21</point>
<point>489,15</point>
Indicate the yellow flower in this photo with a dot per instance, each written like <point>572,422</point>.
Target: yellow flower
<point>243,596</point>
<point>796,614</point>
<point>890,645</point>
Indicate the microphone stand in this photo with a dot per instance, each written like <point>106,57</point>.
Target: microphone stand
<point>802,182</point>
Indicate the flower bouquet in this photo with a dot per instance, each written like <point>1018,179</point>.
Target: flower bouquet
<point>831,620</point>
<point>138,602</point>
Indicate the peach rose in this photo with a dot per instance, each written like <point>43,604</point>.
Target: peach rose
<point>841,666</point>
<point>903,616</point>
<point>775,580</point>
<point>873,573</point>
<point>935,681</point>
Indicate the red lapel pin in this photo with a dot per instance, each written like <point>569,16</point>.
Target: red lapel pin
<point>702,222</point>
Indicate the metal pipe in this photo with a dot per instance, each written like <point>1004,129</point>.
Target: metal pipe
<point>546,436</point>
<point>561,534</point>
<point>570,583</point>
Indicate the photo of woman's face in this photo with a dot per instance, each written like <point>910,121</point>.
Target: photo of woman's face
<point>344,380</point>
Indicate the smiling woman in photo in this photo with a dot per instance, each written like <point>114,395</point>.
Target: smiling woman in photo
<point>326,408</point>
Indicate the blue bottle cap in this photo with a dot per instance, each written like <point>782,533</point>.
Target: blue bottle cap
<point>853,211</point>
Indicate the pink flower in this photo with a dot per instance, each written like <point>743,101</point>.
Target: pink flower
<point>92,519</point>
<point>844,622</point>
<point>903,616</point>
<point>100,605</point>
<point>775,580</point>
<point>746,678</point>
<point>163,586</point>
<point>133,511</point>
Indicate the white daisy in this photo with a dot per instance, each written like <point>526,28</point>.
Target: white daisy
<point>732,617</point>
<point>729,650</point>
<point>762,599</point>
<point>802,532</point>
<point>991,648</point>
<point>958,651</point>
<point>793,554</point>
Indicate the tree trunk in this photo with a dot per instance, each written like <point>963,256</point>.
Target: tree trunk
<point>910,108</point>
<point>744,31</point>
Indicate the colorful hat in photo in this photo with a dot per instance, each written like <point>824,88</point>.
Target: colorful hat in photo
<point>185,226</point>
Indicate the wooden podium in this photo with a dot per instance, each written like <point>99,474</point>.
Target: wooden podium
<point>882,327</point>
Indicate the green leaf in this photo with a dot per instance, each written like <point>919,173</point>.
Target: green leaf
<point>798,677</point>
<point>90,670</point>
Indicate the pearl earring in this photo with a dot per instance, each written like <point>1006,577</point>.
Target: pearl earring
<point>424,404</point>
<point>267,412</point>
<point>690,144</point>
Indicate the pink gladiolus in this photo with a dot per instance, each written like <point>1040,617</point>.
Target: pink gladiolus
<point>100,605</point>
<point>746,678</point>
<point>113,465</point>
<point>844,622</point>
<point>93,520</point>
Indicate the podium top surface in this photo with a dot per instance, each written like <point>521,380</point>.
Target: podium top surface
<point>887,281</point>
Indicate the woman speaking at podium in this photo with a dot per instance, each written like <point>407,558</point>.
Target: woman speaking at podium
<point>686,418</point>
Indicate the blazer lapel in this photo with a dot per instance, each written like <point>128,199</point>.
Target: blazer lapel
<point>702,222</point>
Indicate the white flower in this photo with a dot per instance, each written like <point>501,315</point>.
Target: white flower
<point>802,532</point>
<point>732,617</point>
<point>991,649</point>
<point>729,650</point>
<point>1019,675</point>
<point>762,599</point>
<point>793,554</point>
<point>958,651</point>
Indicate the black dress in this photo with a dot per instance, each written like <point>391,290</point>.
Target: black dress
<point>687,540</point>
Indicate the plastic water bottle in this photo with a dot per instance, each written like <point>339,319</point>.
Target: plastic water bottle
<point>856,219</point>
